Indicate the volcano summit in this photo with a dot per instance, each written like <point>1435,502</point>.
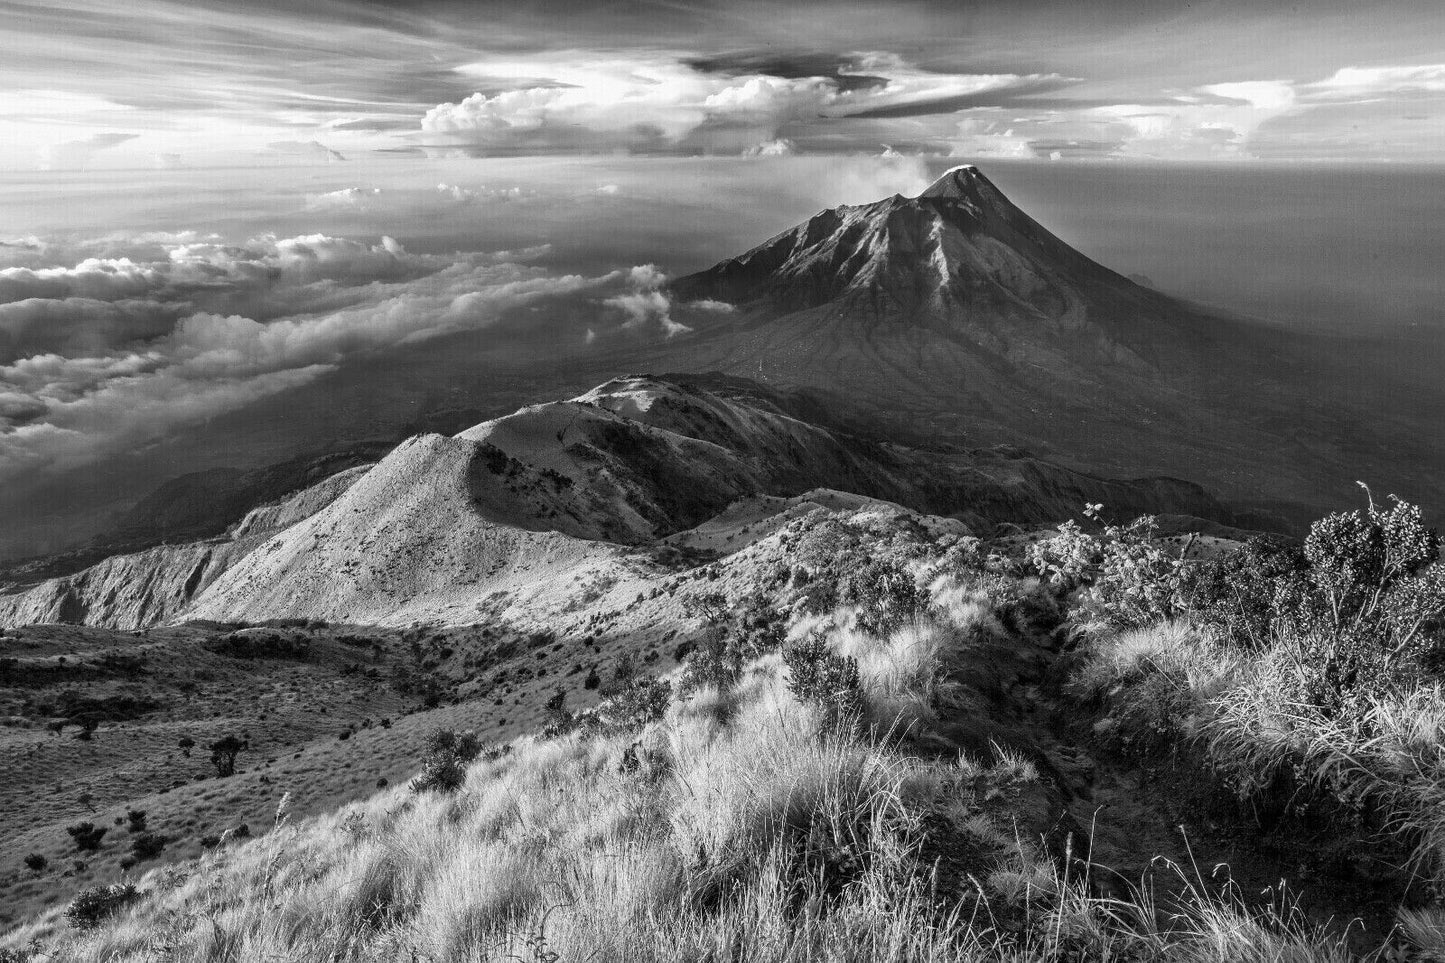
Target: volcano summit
<point>955,316</point>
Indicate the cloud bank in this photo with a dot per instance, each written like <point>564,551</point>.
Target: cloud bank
<point>109,344</point>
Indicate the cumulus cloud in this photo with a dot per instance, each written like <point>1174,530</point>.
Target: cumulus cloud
<point>108,352</point>
<point>646,304</point>
<point>582,101</point>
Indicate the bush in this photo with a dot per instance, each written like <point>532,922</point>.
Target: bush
<point>87,835</point>
<point>886,595</point>
<point>137,820</point>
<point>1360,610</point>
<point>710,662</point>
<point>92,906</point>
<point>36,863</point>
<point>448,754</point>
<point>147,846</point>
<point>1237,592</point>
<point>1124,575</point>
<point>747,632</point>
<point>643,702</point>
<point>440,773</point>
<point>818,677</point>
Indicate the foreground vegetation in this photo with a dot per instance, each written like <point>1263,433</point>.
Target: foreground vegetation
<point>841,770</point>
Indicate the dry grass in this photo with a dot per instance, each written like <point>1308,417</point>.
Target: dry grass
<point>1387,756</point>
<point>744,830</point>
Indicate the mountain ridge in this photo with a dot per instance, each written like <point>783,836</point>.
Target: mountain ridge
<point>570,488</point>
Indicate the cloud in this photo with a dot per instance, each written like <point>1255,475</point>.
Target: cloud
<point>1266,94</point>
<point>781,147</point>
<point>646,304</point>
<point>75,154</point>
<point>310,149</point>
<point>1353,83</point>
<point>108,353</point>
<point>590,102</point>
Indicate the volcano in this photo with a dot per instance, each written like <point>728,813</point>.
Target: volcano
<point>954,317</point>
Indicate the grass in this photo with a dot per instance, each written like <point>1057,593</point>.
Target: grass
<point>747,829</point>
<point>277,703</point>
<point>1373,777</point>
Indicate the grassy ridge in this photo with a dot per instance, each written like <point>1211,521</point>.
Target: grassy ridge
<point>751,821</point>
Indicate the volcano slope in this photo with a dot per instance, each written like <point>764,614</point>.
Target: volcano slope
<point>865,756</point>
<point>955,315</point>
<point>516,510</point>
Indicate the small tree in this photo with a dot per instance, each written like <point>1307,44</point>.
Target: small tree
<point>186,744</point>
<point>87,835</point>
<point>223,755</point>
<point>137,820</point>
<point>36,863</point>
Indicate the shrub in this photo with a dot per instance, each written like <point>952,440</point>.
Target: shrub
<point>448,754</point>
<point>147,845</point>
<point>186,744</point>
<point>440,773</point>
<point>1237,592</point>
<point>818,677</point>
<point>137,820</point>
<point>751,630</point>
<point>1359,611</point>
<point>886,595</point>
<point>36,863</point>
<point>643,702</point>
<point>87,835</point>
<point>92,906</point>
<point>710,662</point>
<point>1124,574</point>
<point>559,717</point>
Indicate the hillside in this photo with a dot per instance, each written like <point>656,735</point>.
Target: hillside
<point>889,743</point>
<point>500,520</point>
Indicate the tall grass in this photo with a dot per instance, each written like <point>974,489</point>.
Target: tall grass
<point>1380,767</point>
<point>740,828</point>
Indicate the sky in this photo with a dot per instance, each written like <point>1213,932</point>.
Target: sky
<point>158,83</point>
<point>206,207</point>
